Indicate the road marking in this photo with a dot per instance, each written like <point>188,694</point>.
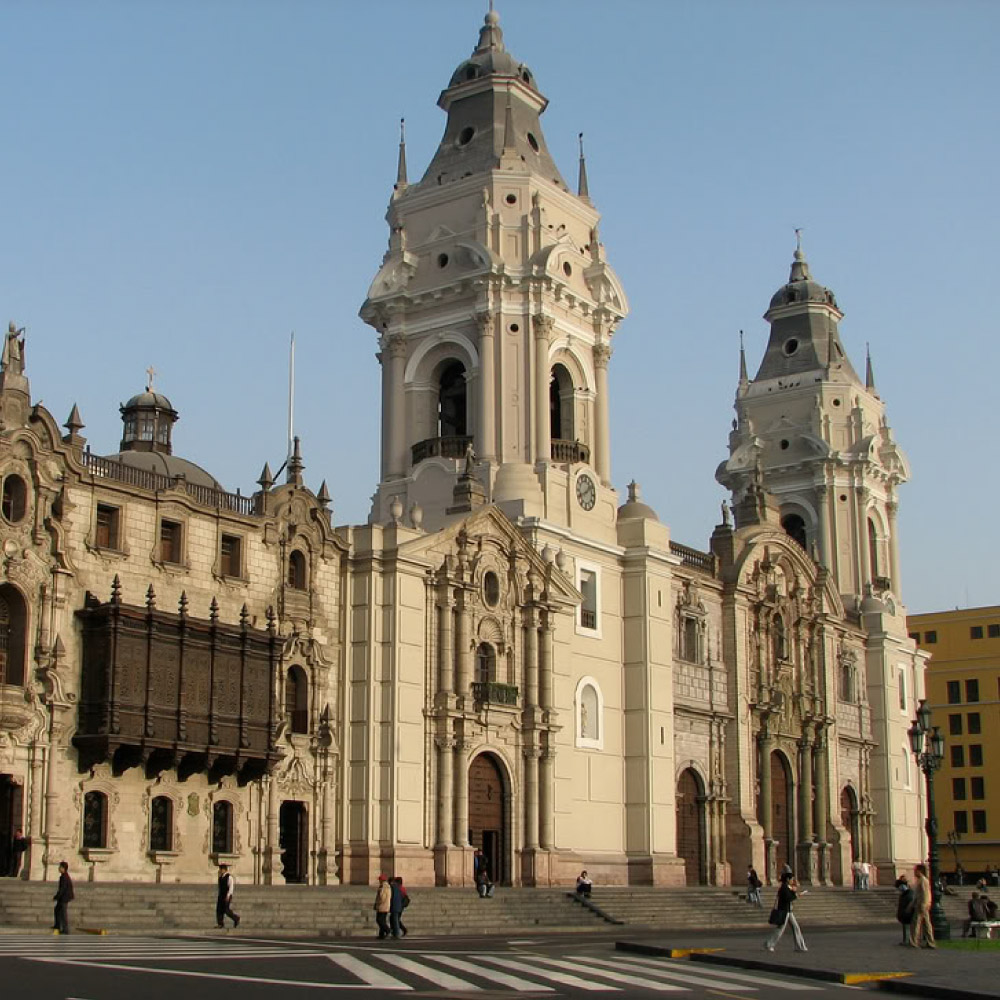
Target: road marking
<point>742,977</point>
<point>615,977</point>
<point>442,979</point>
<point>515,982</point>
<point>365,972</point>
<point>558,977</point>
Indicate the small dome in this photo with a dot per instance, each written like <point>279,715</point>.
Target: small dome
<point>801,287</point>
<point>147,400</point>
<point>634,508</point>
<point>168,465</point>
<point>491,58</point>
<point>871,605</point>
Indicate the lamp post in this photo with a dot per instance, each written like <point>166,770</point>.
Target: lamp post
<point>954,838</point>
<point>927,744</point>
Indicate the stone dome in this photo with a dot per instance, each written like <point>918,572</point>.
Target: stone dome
<point>491,58</point>
<point>634,508</point>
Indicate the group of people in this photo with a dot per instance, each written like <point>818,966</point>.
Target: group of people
<point>913,910</point>
<point>981,908</point>
<point>862,873</point>
<point>391,898</point>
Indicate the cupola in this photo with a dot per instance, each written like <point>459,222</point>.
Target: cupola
<point>149,418</point>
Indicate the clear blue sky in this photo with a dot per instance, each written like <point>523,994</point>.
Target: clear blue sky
<point>183,182</point>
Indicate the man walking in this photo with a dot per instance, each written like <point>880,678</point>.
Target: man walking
<point>383,902</point>
<point>920,926</point>
<point>224,903</point>
<point>63,897</point>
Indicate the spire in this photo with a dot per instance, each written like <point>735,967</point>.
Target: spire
<point>800,267</point>
<point>490,34</point>
<point>266,480</point>
<point>583,189</point>
<point>74,423</point>
<point>869,373</point>
<point>294,475</point>
<point>744,380</point>
<point>401,181</point>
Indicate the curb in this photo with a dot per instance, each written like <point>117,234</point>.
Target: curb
<point>935,992</point>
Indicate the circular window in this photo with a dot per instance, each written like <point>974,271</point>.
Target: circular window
<point>15,498</point>
<point>511,199</point>
<point>532,142</point>
<point>790,347</point>
<point>442,260</point>
<point>514,328</point>
<point>567,269</point>
<point>491,589</point>
<point>784,445</point>
<point>465,136</point>
<point>836,402</point>
<point>843,498</point>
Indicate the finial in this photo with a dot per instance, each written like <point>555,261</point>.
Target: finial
<point>271,620</point>
<point>244,617</point>
<point>401,164</point>
<point>295,466</point>
<point>633,492</point>
<point>116,590</point>
<point>869,372</point>
<point>150,373</point>
<point>744,380</point>
<point>74,424</point>
<point>213,610</point>
<point>182,605</point>
<point>490,35</point>
<point>266,480</point>
<point>150,598</point>
<point>798,242</point>
<point>582,188</point>
<point>324,495</point>
<point>800,268</point>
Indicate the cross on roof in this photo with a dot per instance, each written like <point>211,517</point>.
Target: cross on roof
<point>150,371</point>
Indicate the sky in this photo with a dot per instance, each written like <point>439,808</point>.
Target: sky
<point>183,183</point>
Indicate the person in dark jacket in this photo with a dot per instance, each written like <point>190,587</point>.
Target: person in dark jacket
<point>396,906</point>
<point>224,903</point>
<point>904,906</point>
<point>17,848</point>
<point>787,894</point>
<point>978,912</point>
<point>63,897</point>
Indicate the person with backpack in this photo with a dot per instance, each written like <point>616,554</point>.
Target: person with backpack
<point>398,901</point>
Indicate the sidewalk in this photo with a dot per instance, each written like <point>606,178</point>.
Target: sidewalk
<point>847,956</point>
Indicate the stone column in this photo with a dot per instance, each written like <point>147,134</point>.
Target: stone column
<point>545,802</point>
<point>821,804</point>
<point>486,443</point>
<point>463,647</point>
<point>765,744</point>
<point>530,659</point>
<point>396,408</point>
<point>546,664</point>
<point>823,526</point>
<point>861,513</point>
<point>461,793</point>
<point>891,509</point>
<point>807,848</point>
<point>531,799</point>
<point>32,859</point>
<point>543,326</point>
<point>272,851</point>
<point>446,648</point>
<point>445,790</point>
<point>602,441</point>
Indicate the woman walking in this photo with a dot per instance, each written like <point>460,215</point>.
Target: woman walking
<point>782,916</point>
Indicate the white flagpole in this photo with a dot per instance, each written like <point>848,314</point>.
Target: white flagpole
<point>291,394</point>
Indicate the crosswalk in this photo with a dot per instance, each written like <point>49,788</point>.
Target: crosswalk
<point>341,967</point>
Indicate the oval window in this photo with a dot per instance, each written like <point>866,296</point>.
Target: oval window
<point>567,269</point>
<point>491,589</point>
<point>791,346</point>
<point>532,142</point>
<point>465,136</point>
<point>442,260</point>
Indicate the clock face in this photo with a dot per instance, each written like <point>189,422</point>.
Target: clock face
<point>586,492</point>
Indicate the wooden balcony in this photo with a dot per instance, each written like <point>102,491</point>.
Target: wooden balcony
<point>494,693</point>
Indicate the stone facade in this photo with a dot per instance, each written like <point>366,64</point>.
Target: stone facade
<point>504,658</point>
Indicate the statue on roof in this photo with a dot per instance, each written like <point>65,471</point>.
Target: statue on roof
<point>13,350</point>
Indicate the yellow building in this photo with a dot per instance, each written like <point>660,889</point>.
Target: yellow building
<point>963,690</point>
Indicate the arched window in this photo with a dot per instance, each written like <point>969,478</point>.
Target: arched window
<point>795,527</point>
<point>873,549</point>
<point>297,699</point>
<point>452,402</point>
<point>779,638</point>
<point>847,683</point>
<point>95,820</point>
<point>222,827</point>
<point>13,614</point>
<point>161,824</point>
<point>486,663</point>
<point>561,405</point>
<point>589,714</point>
<point>297,570</point>
<point>15,498</point>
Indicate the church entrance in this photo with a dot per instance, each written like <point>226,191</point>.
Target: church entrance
<point>782,829</point>
<point>849,821</point>
<point>10,819</point>
<point>294,841</point>
<point>691,826</point>
<point>488,815</point>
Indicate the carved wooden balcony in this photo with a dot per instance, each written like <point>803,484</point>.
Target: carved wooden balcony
<point>494,693</point>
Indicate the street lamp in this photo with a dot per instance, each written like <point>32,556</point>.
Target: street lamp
<point>922,734</point>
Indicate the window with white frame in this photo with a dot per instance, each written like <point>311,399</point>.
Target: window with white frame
<point>588,581</point>
<point>589,704</point>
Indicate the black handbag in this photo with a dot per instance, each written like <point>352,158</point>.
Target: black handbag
<point>776,917</point>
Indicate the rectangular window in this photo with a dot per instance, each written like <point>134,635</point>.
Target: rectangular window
<point>588,609</point>
<point>972,691</point>
<point>958,789</point>
<point>974,723</point>
<point>979,821</point>
<point>902,689</point>
<point>958,756</point>
<point>915,636</point>
<point>955,725</point>
<point>690,639</point>
<point>230,555</point>
<point>976,755</point>
<point>977,786</point>
<point>993,631</point>
<point>961,821</point>
<point>106,527</point>
<point>930,637</point>
<point>976,632</point>
<point>170,541</point>
<point>954,692</point>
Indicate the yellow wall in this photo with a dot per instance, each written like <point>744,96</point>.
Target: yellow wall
<point>957,659</point>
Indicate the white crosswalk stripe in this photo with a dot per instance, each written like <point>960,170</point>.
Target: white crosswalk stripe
<point>583,965</point>
<point>558,977</point>
<point>705,971</point>
<point>492,975</point>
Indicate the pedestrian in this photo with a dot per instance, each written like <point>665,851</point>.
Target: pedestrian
<point>781,916</point>
<point>396,906</point>
<point>406,902</point>
<point>383,901</point>
<point>866,872</point>
<point>17,848</point>
<point>584,884</point>
<point>224,902</point>
<point>63,897</point>
<point>904,906</point>
<point>920,926</point>
<point>754,885</point>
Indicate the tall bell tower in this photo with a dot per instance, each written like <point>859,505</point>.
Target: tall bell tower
<point>495,310</point>
<point>815,436</point>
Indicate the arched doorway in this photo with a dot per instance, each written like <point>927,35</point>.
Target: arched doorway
<point>488,815</point>
<point>849,821</point>
<point>11,808</point>
<point>561,402</point>
<point>691,826</point>
<point>782,829</point>
<point>294,841</point>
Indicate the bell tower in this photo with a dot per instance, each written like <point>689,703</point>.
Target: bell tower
<point>814,435</point>
<point>495,310</point>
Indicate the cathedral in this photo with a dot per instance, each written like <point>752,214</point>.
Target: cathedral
<point>509,656</point>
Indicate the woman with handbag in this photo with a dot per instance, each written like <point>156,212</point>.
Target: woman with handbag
<point>782,916</point>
